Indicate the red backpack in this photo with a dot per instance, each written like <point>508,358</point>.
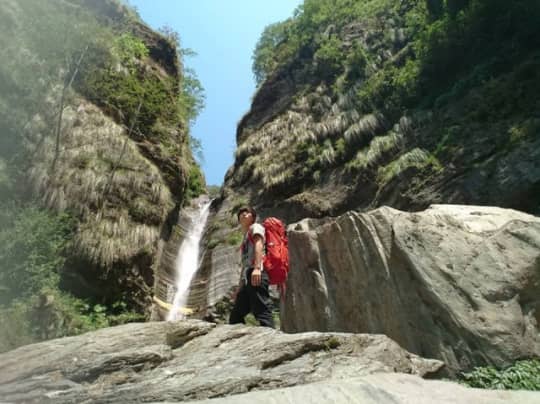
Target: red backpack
<point>276,260</point>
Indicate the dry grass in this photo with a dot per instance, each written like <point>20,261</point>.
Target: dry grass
<point>106,241</point>
<point>313,120</point>
<point>364,128</point>
<point>417,157</point>
<point>84,182</point>
<point>379,146</point>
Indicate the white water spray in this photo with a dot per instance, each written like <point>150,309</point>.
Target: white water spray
<point>187,263</point>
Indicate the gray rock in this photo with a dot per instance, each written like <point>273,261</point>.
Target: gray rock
<point>181,361</point>
<point>456,283</point>
<point>387,388</point>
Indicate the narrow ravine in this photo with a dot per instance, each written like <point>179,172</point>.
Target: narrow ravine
<point>187,262</point>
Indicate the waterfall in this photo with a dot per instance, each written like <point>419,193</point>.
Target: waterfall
<point>187,262</point>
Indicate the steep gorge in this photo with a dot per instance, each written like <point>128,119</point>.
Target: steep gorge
<point>352,118</point>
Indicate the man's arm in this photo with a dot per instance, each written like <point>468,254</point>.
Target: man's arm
<point>258,247</point>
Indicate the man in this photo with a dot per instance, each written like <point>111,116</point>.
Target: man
<point>252,295</point>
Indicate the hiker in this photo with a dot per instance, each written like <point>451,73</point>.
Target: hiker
<point>252,295</point>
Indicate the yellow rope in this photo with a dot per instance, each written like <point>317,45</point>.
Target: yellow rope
<point>167,306</point>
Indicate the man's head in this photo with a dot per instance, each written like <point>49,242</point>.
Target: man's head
<point>246,216</point>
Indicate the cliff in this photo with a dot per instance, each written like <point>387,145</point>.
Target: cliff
<point>394,103</point>
<point>95,130</point>
<point>403,104</point>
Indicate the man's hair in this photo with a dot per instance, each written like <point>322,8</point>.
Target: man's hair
<point>246,209</point>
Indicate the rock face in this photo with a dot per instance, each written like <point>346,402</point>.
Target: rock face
<point>180,361</point>
<point>312,146</point>
<point>456,283</point>
<point>120,172</point>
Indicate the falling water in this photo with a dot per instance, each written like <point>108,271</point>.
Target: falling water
<point>187,262</point>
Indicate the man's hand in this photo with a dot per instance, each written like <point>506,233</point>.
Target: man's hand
<point>256,277</point>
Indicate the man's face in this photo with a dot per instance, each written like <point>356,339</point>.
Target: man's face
<point>245,219</point>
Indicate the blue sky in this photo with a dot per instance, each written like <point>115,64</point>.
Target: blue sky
<point>224,34</point>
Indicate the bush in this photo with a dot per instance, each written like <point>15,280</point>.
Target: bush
<point>32,306</point>
<point>523,375</point>
<point>33,241</point>
<point>329,59</point>
<point>196,185</point>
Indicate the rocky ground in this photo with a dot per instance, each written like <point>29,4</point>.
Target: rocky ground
<point>194,360</point>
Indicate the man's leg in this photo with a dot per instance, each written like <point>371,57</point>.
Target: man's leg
<point>260,301</point>
<point>241,307</point>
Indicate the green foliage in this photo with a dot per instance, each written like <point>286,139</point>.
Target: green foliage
<point>468,33</point>
<point>390,90</point>
<point>196,149</point>
<point>53,314</point>
<point>329,58</point>
<point>40,43</point>
<point>524,130</point>
<point>32,243</point>
<point>212,243</point>
<point>250,320</point>
<point>356,62</point>
<point>452,47</point>
<point>234,238</point>
<point>129,49</point>
<point>191,98</point>
<point>307,34</point>
<point>32,306</point>
<point>523,375</point>
<point>39,48</point>
<point>155,105</point>
<point>137,96</point>
<point>268,53</point>
<point>196,185</point>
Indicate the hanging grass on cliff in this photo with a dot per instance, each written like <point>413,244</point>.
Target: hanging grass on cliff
<point>441,75</point>
<point>95,110</point>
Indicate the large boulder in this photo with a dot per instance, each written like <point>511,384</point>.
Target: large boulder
<point>180,361</point>
<point>387,388</point>
<point>456,283</point>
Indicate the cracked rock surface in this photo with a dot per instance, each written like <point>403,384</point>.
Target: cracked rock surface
<point>190,360</point>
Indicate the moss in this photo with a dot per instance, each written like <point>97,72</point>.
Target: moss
<point>521,131</point>
<point>234,238</point>
<point>212,243</point>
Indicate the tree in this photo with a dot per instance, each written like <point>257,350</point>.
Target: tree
<point>265,56</point>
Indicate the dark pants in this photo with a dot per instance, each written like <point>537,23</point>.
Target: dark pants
<point>253,299</point>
